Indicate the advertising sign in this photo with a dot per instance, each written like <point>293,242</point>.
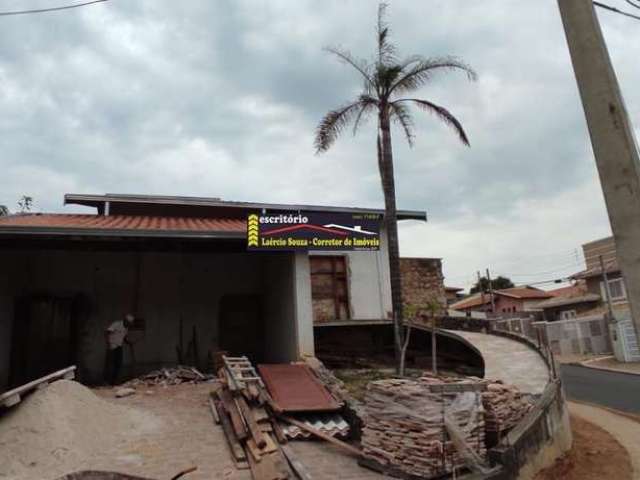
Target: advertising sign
<point>313,231</point>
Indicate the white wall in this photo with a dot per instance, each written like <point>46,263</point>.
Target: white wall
<point>303,307</point>
<point>369,282</point>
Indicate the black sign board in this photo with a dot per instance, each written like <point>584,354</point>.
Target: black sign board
<point>313,231</point>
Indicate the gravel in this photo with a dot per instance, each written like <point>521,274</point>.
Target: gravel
<point>61,426</point>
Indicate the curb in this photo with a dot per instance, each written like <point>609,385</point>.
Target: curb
<point>586,364</point>
<point>631,416</point>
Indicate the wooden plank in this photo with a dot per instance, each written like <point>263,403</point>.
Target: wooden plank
<point>277,429</point>
<point>214,412</point>
<point>339,443</point>
<point>237,452</point>
<point>254,450</point>
<point>252,424</point>
<point>296,465</point>
<point>272,467</point>
<point>13,396</point>
<point>260,414</point>
<point>236,419</point>
<point>270,445</point>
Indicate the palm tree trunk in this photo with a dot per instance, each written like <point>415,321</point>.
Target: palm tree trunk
<point>391,226</point>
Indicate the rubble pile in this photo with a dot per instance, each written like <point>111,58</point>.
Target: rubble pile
<point>171,376</point>
<point>504,407</point>
<point>405,425</point>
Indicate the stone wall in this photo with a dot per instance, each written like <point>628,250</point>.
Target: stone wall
<point>422,281</point>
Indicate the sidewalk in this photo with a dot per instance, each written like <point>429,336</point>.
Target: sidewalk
<point>607,363</point>
<point>623,429</point>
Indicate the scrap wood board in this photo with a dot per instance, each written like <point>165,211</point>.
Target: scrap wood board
<point>294,388</point>
<point>12,397</point>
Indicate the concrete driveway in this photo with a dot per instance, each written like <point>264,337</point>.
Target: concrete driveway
<point>508,360</point>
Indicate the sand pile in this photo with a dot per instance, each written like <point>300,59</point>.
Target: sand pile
<point>59,427</point>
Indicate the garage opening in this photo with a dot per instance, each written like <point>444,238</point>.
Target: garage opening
<point>195,304</point>
<point>44,336</point>
<point>242,327</point>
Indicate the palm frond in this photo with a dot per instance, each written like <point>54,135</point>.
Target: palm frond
<point>386,50</point>
<point>360,65</point>
<point>334,122</point>
<point>400,114</point>
<point>440,112</point>
<point>368,105</point>
<point>421,71</point>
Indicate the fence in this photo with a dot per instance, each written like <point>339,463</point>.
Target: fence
<point>576,336</point>
<point>520,325</point>
<point>623,336</point>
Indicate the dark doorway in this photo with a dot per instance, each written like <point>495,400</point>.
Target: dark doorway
<point>44,337</point>
<point>241,326</point>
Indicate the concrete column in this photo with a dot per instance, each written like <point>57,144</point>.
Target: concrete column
<point>302,304</point>
<point>612,138</point>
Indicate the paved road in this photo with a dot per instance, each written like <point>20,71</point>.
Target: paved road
<point>620,391</point>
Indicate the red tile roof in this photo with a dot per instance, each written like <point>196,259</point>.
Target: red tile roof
<point>471,301</point>
<point>569,291</point>
<point>131,224</point>
<point>515,292</point>
<point>523,292</point>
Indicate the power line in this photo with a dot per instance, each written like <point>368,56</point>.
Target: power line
<point>633,4</point>
<point>615,10</point>
<point>556,269</point>
<point>53,9</point>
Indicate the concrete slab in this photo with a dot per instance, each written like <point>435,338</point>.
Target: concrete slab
<point>508,360</point>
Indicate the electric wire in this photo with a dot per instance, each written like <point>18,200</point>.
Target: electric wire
<point>615,10</point>
<point>52,9</point>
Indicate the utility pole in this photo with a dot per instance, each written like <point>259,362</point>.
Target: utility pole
<point>614,145</point>
<point>493,302</point>
<point>480,288</point>
<point>607,291</point>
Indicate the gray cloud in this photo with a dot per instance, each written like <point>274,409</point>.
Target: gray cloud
<point>222,98</point>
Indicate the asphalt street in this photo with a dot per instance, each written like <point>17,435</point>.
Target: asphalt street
<point>620,391</point>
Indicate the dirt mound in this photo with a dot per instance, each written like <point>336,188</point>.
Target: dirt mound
<point>62,424</point>
<point>595,455</point>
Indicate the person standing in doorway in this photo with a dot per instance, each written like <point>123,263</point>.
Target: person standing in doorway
<point>116,335</point>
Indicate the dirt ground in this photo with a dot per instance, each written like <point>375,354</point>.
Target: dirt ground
<point>595,455</point>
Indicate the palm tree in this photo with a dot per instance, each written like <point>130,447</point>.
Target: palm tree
<point>388,85</point>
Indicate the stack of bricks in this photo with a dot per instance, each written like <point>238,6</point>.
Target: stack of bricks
<point>404,431</point>
<point>504,407</point>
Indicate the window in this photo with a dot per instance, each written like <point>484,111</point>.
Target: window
<point>329,292</point>
<point>616,289</point>
<point>567,314</point>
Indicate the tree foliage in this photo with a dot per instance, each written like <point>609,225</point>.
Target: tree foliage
<point>25,204</point>
<point>497,283</point>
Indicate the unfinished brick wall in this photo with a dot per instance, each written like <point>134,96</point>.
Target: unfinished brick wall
<point>422,281</point>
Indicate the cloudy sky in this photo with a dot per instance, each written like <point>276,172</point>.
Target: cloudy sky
<point>221,98</point>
